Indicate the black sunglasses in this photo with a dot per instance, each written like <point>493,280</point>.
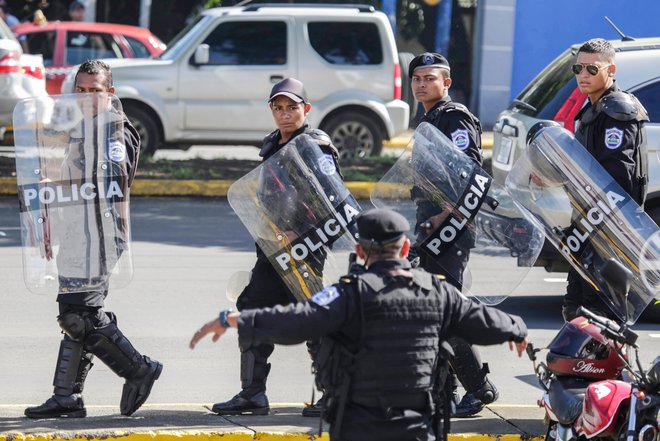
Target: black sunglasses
<point>593,69</point>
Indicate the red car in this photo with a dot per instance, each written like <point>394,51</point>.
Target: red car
<point>65,44</point>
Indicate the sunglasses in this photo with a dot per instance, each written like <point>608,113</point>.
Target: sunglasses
<point>593,69</point>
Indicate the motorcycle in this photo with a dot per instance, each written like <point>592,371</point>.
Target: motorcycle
<point>592,389</point>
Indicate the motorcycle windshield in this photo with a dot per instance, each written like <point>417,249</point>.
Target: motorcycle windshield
<point>301,215</point>
<point>71,171</point>
<point>434,180</point>
<point>588,217</point>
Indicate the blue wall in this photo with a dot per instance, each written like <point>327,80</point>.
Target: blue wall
<point>545,28</point>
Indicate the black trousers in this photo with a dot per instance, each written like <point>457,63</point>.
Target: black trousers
<point>366,423</point>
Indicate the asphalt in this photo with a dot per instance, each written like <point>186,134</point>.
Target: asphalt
<point>183,421</point>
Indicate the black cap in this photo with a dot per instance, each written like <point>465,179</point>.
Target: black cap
<point>289,87</point>
<point>428,59</point>
<point>76,5</point>
<point>381,225</point>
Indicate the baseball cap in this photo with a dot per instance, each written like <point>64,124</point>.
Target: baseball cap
<point>381,225</point>
<point>289,87</point>
<point>428,59</point>
<point>76,5</point>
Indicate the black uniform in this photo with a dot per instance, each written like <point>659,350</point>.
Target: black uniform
<point>89,330</point>
<point>392,320</point>
<point>612,131</point>
<point>464,129</point>
<point>266,289</point>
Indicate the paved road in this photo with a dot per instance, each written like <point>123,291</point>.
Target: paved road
<point>184,251</point>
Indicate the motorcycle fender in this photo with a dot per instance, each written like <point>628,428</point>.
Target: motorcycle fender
<point>602,403</point>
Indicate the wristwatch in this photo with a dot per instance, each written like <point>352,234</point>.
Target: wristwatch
<point>223,317</point>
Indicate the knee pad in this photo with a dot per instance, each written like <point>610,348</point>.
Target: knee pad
<point>73,325</point>
<point>467,365</point>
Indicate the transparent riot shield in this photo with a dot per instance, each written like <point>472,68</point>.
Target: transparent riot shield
<point>587,216</point>
<point>298,210</point>
<point>73,193</point>
<point>455,207</point>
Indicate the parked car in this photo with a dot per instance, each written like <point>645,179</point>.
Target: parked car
<point>64,44</point>
<point>21,76</point>
<point>210,86</point>
<point>554,95</point>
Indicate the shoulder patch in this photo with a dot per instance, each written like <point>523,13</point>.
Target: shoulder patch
<point>116,151</point>
<point>613,138</point>
<point>325,296</point>
<point>327,165</point>
<point>460,138</point>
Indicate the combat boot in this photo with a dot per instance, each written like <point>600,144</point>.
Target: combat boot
<point>473,403</point>
<point>252,399</point>
<point>138,387</point>
<point>73,365</point>
<point>314,409</point>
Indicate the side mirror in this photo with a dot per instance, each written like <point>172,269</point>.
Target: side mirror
<point>201,55</point>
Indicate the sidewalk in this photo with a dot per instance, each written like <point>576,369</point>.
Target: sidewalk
<point>182,422</point>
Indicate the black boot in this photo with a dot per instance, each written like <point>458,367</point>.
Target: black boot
<point>73,364</point>
<point>252,400</point>
<point>111,346</point>
<point>474,402</point>
<point>314,409</point>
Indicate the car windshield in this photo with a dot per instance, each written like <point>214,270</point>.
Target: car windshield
<point>549,90</point>
<point>180,42</point>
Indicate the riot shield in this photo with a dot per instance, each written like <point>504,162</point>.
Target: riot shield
<point>72,179</point>
<point>432,178</point>
<point>587,216</point>
<point>298,210</point>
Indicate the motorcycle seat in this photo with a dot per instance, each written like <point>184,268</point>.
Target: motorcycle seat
<point>566,395</point>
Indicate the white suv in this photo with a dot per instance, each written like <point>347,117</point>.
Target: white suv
<point>211,85</point>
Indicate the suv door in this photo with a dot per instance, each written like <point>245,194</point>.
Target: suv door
<point>246,57</point>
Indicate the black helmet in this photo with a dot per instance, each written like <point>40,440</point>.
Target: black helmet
<point>536,128</point>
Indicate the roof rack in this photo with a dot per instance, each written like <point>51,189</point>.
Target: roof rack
<point>361,8</point>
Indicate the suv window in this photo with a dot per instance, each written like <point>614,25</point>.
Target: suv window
<point>550,89</point>
<point>649,96</point>
<point>248,43</point>
<point>346,43</point>
<point>81,46</point>
<point>139,49</point>
<point>42,43</point>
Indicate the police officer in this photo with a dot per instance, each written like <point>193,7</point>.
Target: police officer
<point>611,128</point>
<point>289,105</point>
<point>391,316</point>
<point>431,80</point>
<point>88,329</point>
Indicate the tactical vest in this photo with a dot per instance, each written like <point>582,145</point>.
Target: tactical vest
<point>450,106</point>
<point>620,106</point>
<point>400,334</point>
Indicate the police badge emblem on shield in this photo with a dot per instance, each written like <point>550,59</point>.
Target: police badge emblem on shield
<point>613,138</point>
<point>460,138</point>
<point>327,165</point>
<point>116,151</point>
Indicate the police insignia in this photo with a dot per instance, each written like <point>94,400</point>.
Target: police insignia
<point>116,151</point>
<point>327,165</point>
<point>613,138</point>
<point>460,138</point>
<point>427,59</point>
<point>325,296</point>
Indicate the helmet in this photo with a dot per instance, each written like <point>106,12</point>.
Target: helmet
<point>580,350</point>
<point>536,128</point>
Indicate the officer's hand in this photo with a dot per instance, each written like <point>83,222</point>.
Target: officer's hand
<point>213,326</point>
<point>520,346</point>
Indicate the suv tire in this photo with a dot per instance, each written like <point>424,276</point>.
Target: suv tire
<point>406,91</point>
<point>147,128</point>
<point>354,134</point>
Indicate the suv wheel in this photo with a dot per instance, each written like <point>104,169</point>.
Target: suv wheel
<point>147,128</point>
<point>355,135</point>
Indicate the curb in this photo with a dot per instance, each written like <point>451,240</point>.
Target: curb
<point>187,188</point>
<point>223,436</point>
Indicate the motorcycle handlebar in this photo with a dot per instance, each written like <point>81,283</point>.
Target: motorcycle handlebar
<point>610,328</point>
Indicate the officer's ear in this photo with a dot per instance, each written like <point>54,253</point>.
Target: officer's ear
<point>611,70</point>
<point>308,107</point>
<point>360,251</point>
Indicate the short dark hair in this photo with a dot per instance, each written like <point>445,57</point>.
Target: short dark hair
<point>93,67</point>
<point>381,251</point>
<point>598,46</point>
